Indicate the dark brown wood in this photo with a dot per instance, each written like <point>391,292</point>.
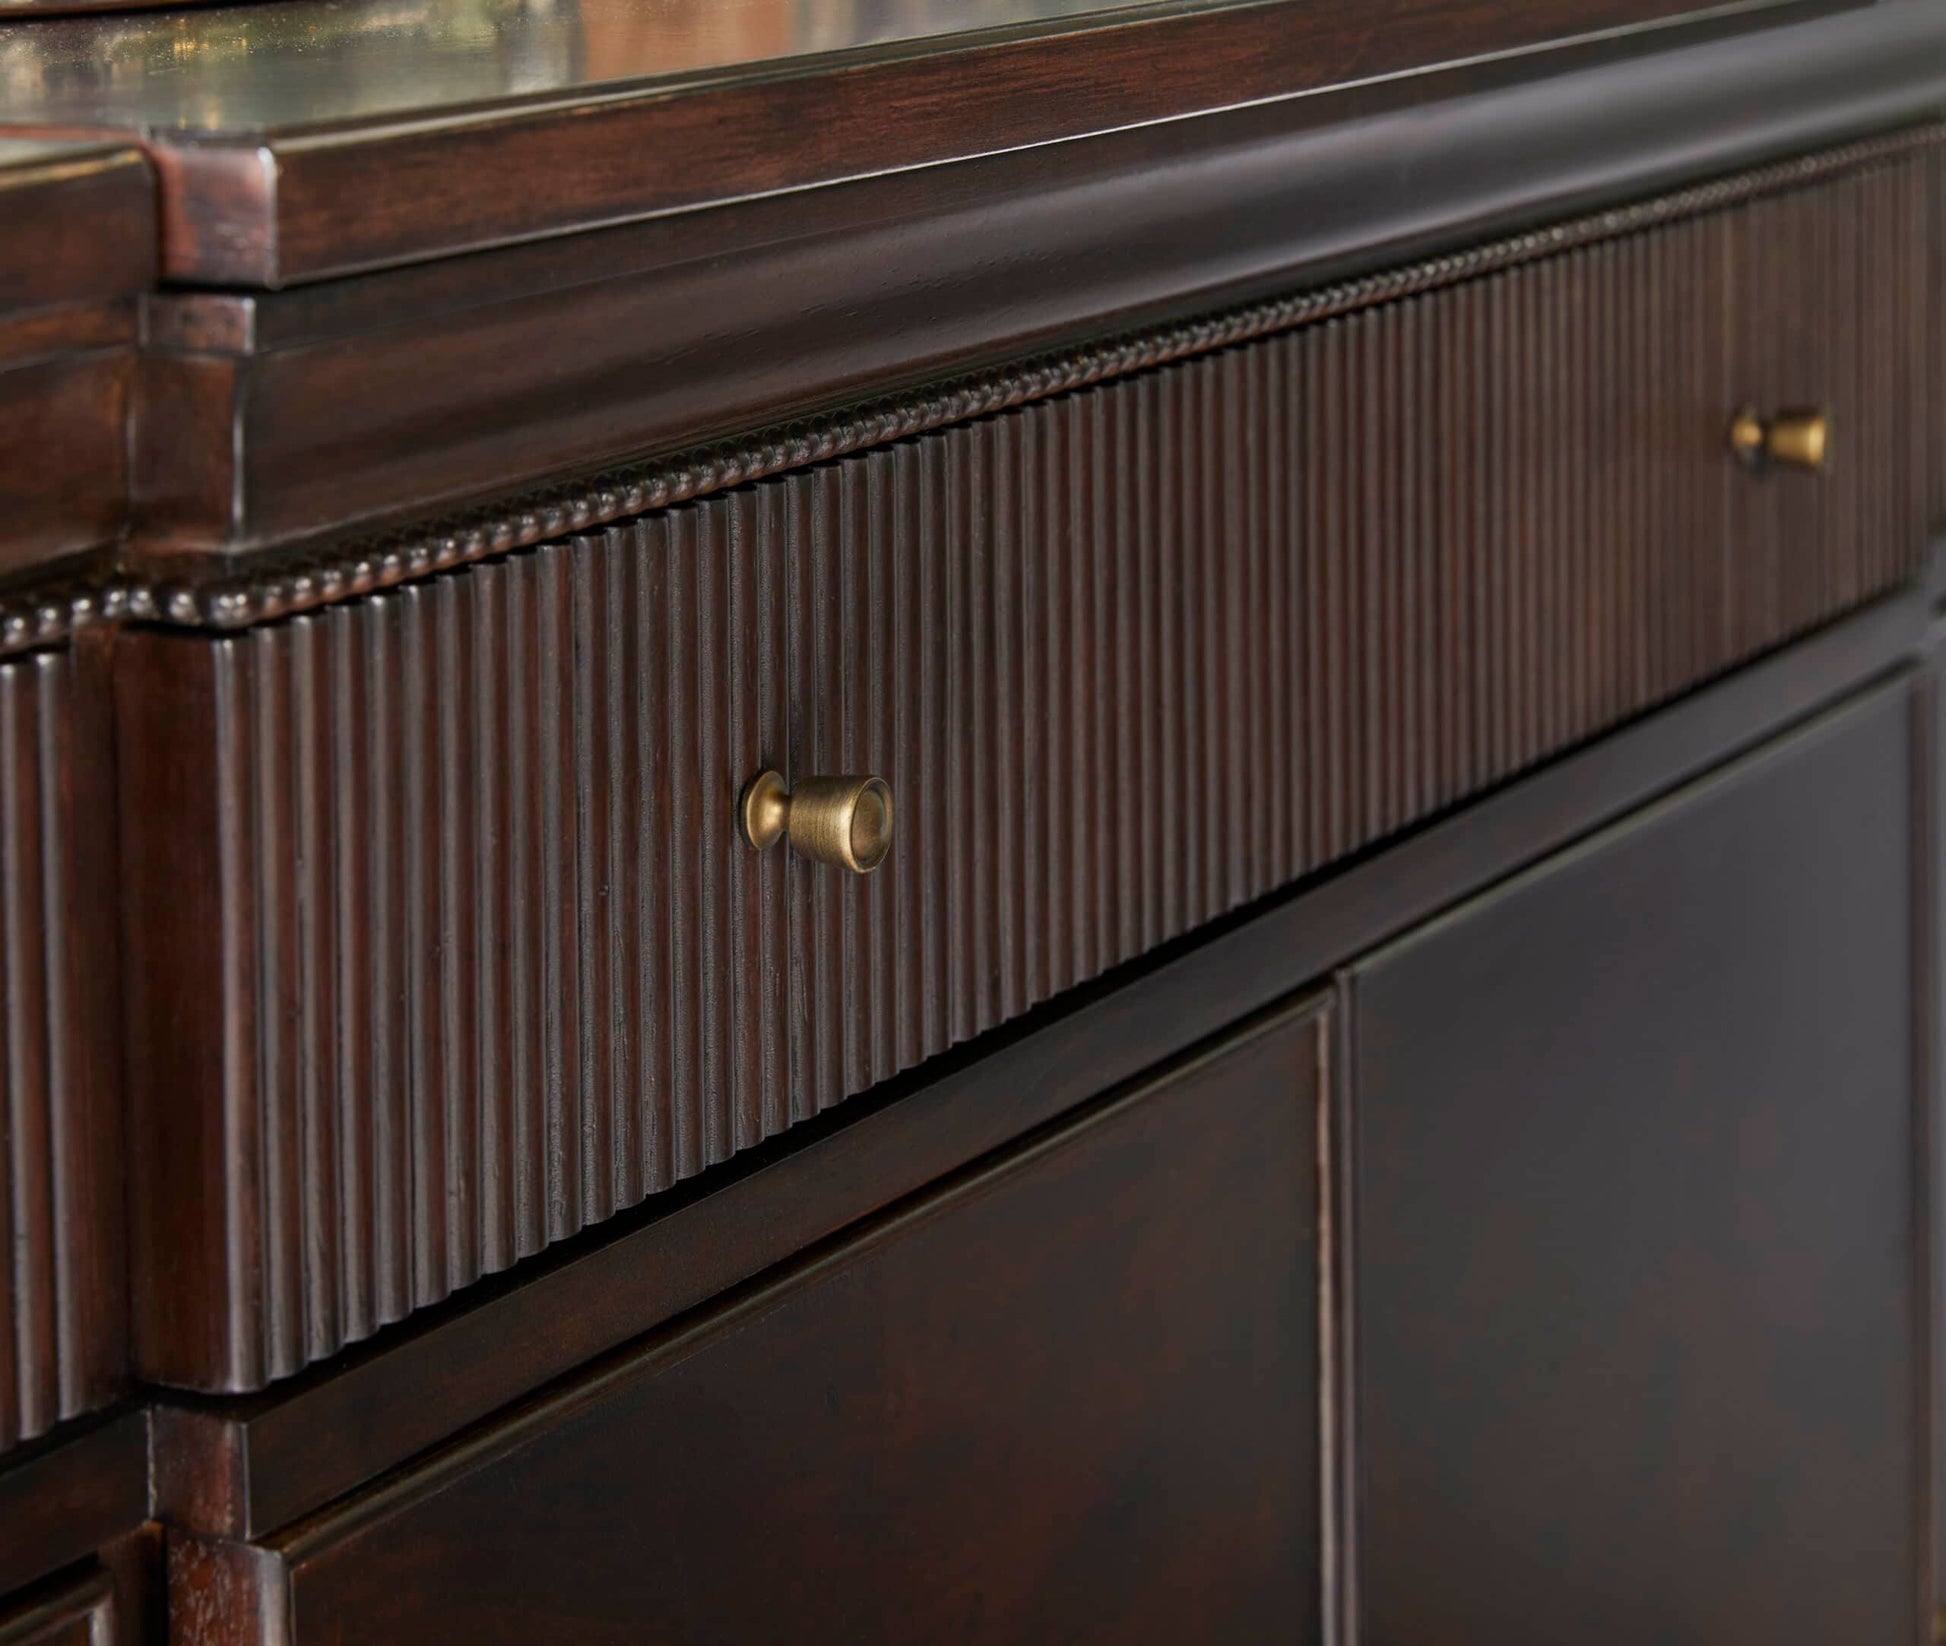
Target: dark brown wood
<point>479,374</point>
<point>1861,264</point>
<point>74,1612</point>
<point>79,240</point>
<point>501,966</point>
<point>280,161</point>
<point>66,1497</point>
<point>114,1599</point>
<point>64,426</point>
<point>1070,1395</point>
<point>1635,1227</point>
<point>80,219</point>
<point>62,1339</point>
<point>242,1468</point>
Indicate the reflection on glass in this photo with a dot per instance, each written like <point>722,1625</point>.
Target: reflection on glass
<point>298,62</point>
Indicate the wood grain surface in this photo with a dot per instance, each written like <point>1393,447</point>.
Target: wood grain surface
<point>62,1327</point>
<point>1073,1393</point>
<point>463,957</point>
<point>551,371</point>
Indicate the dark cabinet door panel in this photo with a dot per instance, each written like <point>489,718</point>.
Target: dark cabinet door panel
<point>1636,1228</point>
<point>1072,1396</point>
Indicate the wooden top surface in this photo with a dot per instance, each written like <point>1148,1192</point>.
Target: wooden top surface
<point>306,138</point>
<point>77,222</point>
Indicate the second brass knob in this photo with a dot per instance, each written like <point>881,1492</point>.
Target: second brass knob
<point>1796,439</point>
<point>843,821</point>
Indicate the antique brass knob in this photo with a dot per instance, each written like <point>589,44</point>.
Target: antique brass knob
<point>843,821</point>
<point>1798,439</point>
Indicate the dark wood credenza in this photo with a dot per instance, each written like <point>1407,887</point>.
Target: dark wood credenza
<point>1381,559</point>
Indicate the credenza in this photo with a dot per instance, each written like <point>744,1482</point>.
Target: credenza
<point>1016,822</point>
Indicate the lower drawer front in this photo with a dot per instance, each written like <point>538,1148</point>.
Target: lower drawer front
<point>446,942</point>
<point>1071,1397</point>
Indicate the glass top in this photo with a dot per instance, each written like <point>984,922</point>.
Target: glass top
<point>297,63</point>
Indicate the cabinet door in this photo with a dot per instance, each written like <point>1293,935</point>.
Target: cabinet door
<point>1070,1396</point>
<point>1636,1226</point>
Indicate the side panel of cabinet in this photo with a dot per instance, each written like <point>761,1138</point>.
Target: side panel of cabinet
<point>1073,1395</point>
<point>1637,1241</point>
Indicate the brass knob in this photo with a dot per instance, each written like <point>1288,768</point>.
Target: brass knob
<point>1798,439</point>
<point>843,821</point>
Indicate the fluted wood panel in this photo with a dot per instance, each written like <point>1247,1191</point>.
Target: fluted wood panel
<point>491,962</point>
<point>502,967</point>
<point>1831,296</point>
<point>61,1253</point>
<point>1138,655</point>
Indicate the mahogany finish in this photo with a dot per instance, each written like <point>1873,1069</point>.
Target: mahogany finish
<point>426,135</point>
<point>77,240</point>
<point>62,1335</point>
<point>239,1468</point>
<point>78,1613</point>
<point>1252,504</point>
<point>1638,1247</point>
<point>475,375</point>
<point>66,382</point>
<point>64,1498</point>
<point>80,222</point>
<point>113,1600</point>
<point>499,961</point>
<point>1072,1395</point>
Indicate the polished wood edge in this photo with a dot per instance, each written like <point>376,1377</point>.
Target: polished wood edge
<point>1135,228</point>
<point>71,1492</point>
<point>80,1599</point>
<point>245,1467</point>
<point>276,207</point>
<point>219,595</point>
<point>226,1594</point>
<point>64,428</point>
<point>1929,1083</point>
<point>80,226</point>
<point>164,684</point>
<point>69,328</point>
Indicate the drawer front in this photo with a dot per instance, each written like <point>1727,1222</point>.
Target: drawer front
<point>463,951</point>
<point>1073,1396</point>
<point>61,1288</point>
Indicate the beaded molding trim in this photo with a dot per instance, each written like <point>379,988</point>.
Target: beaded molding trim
<point>233,597</point>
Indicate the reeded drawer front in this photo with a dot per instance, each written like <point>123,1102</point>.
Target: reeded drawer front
<point>62,1337</point>
<point>464,950</point>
